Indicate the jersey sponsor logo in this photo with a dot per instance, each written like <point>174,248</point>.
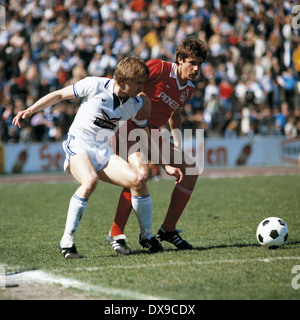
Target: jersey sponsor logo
<point>104,124</point>
<point>168,100</point>
<point>107,122</point>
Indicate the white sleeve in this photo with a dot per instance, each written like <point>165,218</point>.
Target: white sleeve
<point>140,124</point>
<point>86,87</point>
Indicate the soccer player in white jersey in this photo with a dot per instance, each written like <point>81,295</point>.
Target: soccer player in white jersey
<point>105,105</point>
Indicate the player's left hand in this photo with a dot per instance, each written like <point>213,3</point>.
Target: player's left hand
<point>176,172</point>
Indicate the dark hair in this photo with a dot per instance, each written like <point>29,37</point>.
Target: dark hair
<point>191,47</point>
<point>130,68</point>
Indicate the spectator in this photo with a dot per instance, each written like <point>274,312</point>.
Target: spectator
<point>38,124</point>
<point>280,119</point>
<point>197,101</point>
<point>231,130</point>
<point>290,129</point>
<point>266,122</point>
<point>298,128</point>
<point>268,88</point>
<point>226,94</point>
<point>211,89</point>
<point>107,62</point>
<point>289,86</point>
<point>296,62</point>
<point>240,91</point>
<point>211,112</point>
<point>48,45</point>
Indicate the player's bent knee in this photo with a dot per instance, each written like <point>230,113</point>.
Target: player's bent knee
<point>91,184</point>
<point>145,173</point>
<point>139,182</point>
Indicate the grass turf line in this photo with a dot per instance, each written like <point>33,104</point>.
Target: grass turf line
<point>220,221</point>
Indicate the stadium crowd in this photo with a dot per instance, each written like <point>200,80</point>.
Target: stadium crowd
<point>249,85</point>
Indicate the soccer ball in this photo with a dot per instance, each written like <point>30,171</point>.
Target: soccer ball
<point>272,233</point>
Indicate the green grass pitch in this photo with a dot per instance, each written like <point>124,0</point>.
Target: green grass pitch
<point>220,221</point>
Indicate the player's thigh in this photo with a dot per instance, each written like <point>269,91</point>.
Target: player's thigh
<point>119,172</point>
<point>82,169</point>
<point>138,160</point>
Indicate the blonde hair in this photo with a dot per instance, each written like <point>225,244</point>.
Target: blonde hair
<point>130,68</point>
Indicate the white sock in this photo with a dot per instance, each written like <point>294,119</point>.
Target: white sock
<point>76,210</point>
<point>143,210</point>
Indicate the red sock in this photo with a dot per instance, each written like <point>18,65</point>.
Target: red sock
<point>179,200</point>
<point>122,214</point>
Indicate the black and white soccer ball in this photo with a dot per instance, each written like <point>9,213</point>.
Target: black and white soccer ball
<point>272,233</point>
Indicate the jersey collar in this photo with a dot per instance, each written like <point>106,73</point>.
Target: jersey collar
<point>173,74</point>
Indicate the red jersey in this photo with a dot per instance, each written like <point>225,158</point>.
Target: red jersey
<point>165,92</point>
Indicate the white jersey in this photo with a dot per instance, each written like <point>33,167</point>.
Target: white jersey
<point>101,111</point>
<point>99,117</point>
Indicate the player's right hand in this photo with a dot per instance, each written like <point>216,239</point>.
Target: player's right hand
<point>173,171</point>
<point>21,115</point>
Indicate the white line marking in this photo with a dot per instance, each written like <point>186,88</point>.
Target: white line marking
<point>184,263</point>
<point>43,277</point>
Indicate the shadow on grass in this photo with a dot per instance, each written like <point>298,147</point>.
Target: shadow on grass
<point>224,246</point>
<point>198,248</point>
<point>221,246</point>
<point>237,245</point>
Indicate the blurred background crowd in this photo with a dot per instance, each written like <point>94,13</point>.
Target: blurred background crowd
<point>248,86</point>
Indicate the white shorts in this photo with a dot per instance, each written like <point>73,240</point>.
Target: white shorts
<point>98,153</point>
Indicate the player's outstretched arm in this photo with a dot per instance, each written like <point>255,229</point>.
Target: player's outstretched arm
<point>48,100</point>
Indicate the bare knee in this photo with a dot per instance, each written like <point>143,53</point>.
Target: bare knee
<point>138,183</point>
<point>144,171</point>
<point>90,184</point>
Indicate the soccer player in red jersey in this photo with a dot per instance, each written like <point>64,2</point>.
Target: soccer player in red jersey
<point>169,87</point>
